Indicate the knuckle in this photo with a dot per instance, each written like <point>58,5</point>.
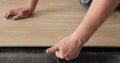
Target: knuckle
<point>63,56</point>
<point>11,10</point>
<point>20,13</point>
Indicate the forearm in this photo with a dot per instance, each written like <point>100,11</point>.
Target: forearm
<point>96,15</point>
<point>32,4</point>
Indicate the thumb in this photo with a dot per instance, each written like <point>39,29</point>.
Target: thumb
<point>52,49</point>
<point>17,17</point>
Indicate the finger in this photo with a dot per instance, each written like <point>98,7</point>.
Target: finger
<point>18,16</point>
<point>64,55</point>
<point>52,49</point>
<point>59,54</point>
<point>71,57</point>
<point>8,15</point>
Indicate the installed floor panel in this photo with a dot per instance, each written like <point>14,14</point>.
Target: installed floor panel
<point>52,21</point>
<point>38,55</point>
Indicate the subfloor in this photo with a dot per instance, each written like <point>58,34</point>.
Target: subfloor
<point>52,21</point>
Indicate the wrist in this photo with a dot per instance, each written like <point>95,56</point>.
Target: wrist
<point>30,9</point>
<point>80,38</point>
<point>76,39</point>
<point>32,5</point>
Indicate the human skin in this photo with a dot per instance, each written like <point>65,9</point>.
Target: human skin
<point>21,13</point>
<point>69,47</point>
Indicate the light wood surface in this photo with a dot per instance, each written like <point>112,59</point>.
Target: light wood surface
<point>53,20</point>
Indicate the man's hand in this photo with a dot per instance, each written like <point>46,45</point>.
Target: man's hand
<point>68,48</point>
<point>19,13</point>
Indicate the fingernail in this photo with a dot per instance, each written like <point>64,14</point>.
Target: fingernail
<point>46,51</point>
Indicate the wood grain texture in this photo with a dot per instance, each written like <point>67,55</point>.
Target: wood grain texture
<point>51,21</point>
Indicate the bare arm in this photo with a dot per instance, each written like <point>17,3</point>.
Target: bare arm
<point>96,15</point>
<point>69,47</point>
<point>32,4</point>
